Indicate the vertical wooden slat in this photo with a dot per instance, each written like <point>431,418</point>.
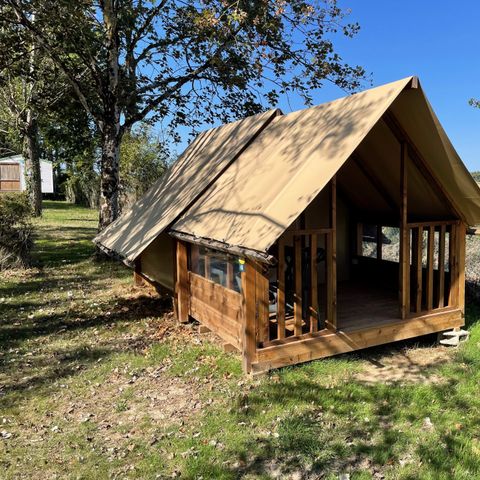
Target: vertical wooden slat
<point>418,265</point>
<point>248,327</point>
<point>182,287</point>
<point>297,306</point>
<point>461,241</point>
<point>331,242</point>
<point>207,265</point>
<point>314,284</point>
<point>453,267</point>
<point>441,267</point>
<point>281,289</point>
<point>430,246</point>
<point>404,254</point>
<point>379,242</point>
<point>194,254</point>
<point>230,278</point>
<point>359,238</point>
<point>261,293</point>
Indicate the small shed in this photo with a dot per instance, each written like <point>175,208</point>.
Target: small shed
<point>300,236</point>
<point>12,174</point>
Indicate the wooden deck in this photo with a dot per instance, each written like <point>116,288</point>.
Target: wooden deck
<point>361,306</point>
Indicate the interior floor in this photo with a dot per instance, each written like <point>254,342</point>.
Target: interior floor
<point>362,305</point>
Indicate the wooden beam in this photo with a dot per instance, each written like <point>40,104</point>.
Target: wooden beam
<point>297,304</point>
<point>453,267</point>
<point>311,231</point>
<point>441,267</point>
<point>182,283</point>
<point>420,162</point>
<point>248,322</point>
<point>331,320</point>
<point>262,314</point>
<point>281,289</point>
<point>230,276</point>
<point>374,179</point>
<point>379,242</point>
<point>461,240</point>
<point>404,254</point>
<point>417,252</point>
<point>314,284</point>
<point>430,252</point>
<point>326,343</point>
<point>359,238</point>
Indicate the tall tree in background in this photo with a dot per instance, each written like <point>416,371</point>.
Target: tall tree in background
<point>184,63</point>
<point>19,102</point>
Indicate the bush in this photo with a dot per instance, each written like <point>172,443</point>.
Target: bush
<point>16,231</point>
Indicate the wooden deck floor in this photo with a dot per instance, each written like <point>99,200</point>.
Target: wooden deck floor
<point>362,306</point>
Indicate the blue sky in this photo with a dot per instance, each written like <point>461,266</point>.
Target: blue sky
<point>437,40</point>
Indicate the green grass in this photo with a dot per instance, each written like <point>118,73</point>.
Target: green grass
<point>98,381</point>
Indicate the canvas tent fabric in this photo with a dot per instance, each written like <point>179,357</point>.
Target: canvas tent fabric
<point>203,161</point>
<point>278,173</point>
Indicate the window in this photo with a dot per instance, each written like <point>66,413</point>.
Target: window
<point>217,266</point>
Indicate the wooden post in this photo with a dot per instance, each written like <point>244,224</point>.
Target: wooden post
<point>430,247</point>
<point>137,273</point>
<point>379,242</point>
<point>359,240</point>
<point>314,284</point>
<point>297,305</point>
<point>332,259</point>
<point>281,290</point>
<point>418,253</point>
<point>453,267</point>
<point>230,279</point>
<point>461,240</point>
<point>261,303</point>
<point>441,266</point>
<point>404,254</point>
<point>181,286</point>
<point>248,327</point>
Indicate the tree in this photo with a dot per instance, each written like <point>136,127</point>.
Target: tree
<point>185,63</point>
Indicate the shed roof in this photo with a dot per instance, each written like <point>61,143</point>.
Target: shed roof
<point>248,196</point>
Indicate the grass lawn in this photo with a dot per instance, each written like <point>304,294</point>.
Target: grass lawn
<point>97,381</point>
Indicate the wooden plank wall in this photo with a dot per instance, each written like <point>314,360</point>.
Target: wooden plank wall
<point>216,307</point>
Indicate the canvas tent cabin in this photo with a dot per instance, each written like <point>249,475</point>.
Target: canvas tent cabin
<point>301,236</point>
<point>12,174</point>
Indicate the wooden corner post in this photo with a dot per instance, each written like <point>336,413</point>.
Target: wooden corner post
<point>137,273</point>
<point>331,320</point>
<point>181,285</point>
<point>404,271</point>
<point>249,313</point>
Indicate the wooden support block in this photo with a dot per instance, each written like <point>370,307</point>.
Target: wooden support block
<point>203,329</point>
<point>229,348</point>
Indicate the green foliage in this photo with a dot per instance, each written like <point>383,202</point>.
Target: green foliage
<point>476,176</point>
<point>143,161</point>
<point>15,230</point>
<point>82,187</point>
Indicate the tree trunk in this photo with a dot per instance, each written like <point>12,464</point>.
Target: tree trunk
<point>109,175</point>
<point>33,179</point>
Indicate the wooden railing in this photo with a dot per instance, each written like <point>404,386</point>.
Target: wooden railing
<point>433,273</point>
<point>307,314</point>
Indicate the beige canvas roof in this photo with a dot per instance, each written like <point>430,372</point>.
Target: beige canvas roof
<point>274,178</point>
<point>203,161</point>
<point>291,161</point>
